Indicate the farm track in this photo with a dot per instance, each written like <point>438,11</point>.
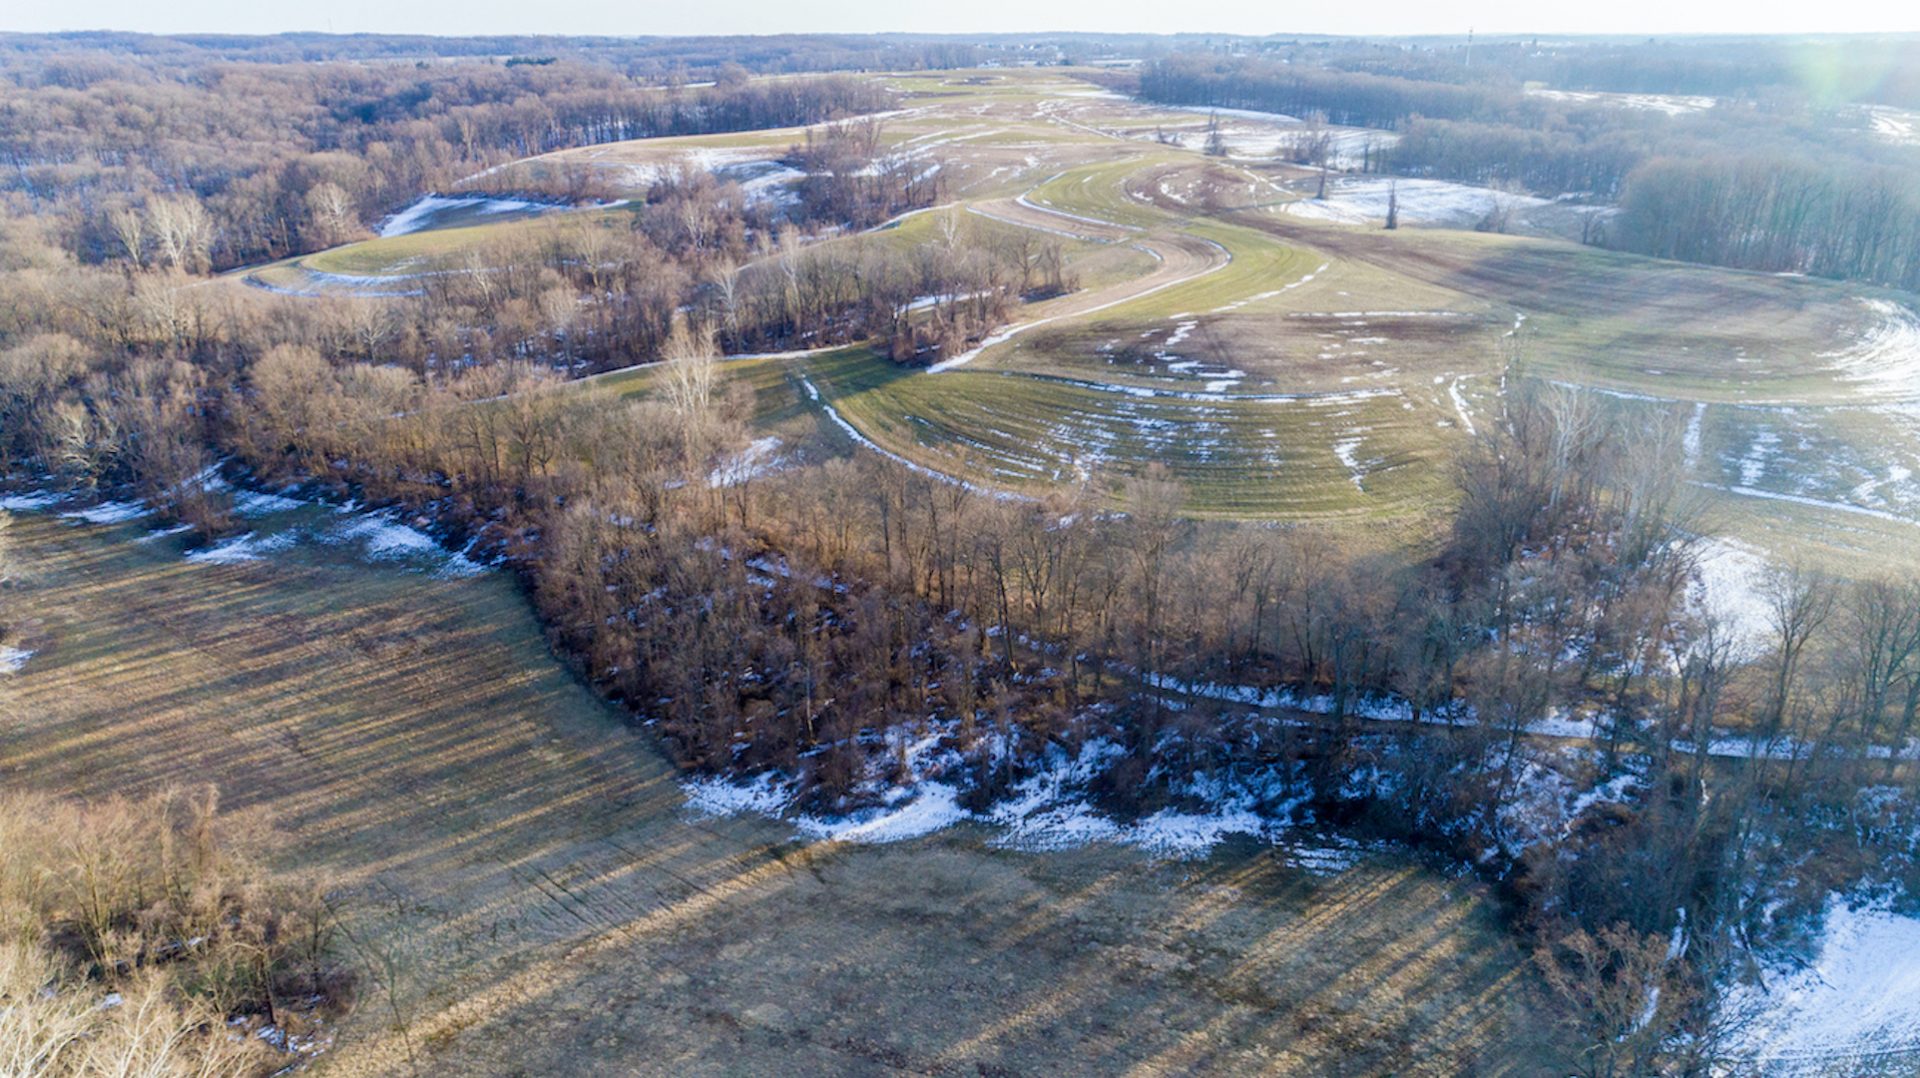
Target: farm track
<point>1178,260</point>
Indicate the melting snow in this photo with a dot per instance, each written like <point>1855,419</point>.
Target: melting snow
<point>1753,466</point>
<point>1170,833</point>
<point>1895,125</point>
<point>259,503</point>
<point>933,806</point>
<point>719,796</point>
<point>1671,104</point>
<point>386,539</point>
<point>24,503</point>
<point>750,463</point>
<point>1048,810</point>
<point>12,659</point>
<point>1460,406</point>
<point>248,547</point>
<point>1731,588</point>
<point>1348,450</point>
<point>1690,442</point>
<point>109,513</point>
<point>420,215</point>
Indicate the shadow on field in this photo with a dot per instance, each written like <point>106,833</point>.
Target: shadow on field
<point>519,864</point>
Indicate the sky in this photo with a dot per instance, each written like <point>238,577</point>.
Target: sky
<point>1376,17</point>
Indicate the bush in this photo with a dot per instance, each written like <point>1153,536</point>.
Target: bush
<point>133,940</point>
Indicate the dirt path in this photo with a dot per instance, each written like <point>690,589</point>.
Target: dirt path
<point>1017,211</point>
<point>551,906</point>
<point>1178,258</point>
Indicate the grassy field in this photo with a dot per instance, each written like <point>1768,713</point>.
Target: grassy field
<point>1332,455</point>
<point>393,264</point>
<point>521,862</point>
<point>1793,388</point>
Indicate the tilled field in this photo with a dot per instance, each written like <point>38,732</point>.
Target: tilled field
<point>520,865</point>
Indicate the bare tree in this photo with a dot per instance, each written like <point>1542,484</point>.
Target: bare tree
<point>182,232</point>
<point>331,212</point>
<point>691,366</point>
<point>131,231</point>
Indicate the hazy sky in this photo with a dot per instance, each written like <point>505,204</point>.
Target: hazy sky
<point>777,16</point>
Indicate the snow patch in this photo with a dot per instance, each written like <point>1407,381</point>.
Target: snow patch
<point>240,548</point>
<point>1170,833</point>
<point>421,214</point>
<point>27,503</point>
<point>1732,589</point>
<point>386,539</point>
<point>1348,450</point>
<point>1690,442</point>
<point>720,796</point>
<point>1859,998</point>
<point>109,513</point>
<point>250,503</point>
<point>933,806</point>
<point>1433,202</point>
<point>750,463</point>
<point>1885,355</point>
<point>1894,125</point>
<point>1670,104</point>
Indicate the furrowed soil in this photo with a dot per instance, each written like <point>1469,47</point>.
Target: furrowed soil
<point>527,893</point>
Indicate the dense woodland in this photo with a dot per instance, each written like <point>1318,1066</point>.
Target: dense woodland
<point>799,622</point>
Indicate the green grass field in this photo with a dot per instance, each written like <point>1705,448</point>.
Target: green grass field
<point>1334,455</point>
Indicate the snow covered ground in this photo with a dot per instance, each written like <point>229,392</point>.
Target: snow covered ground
<point>643,174</point>
<point>764,180</point>
<point>1732,589</point>
<point>29,502</point>
<point>248,547</point>
<point>430,210</point>
<point>1050,809</point>
<point>750,463</point>
<point>1442,203</point>
<point>1671,104</point>
<point>1857,1001</point>
<point>297,279</point>
<point>108,512</point>
<point>1884,357</point>
<point>1263,136</point>
<point>13,659</point>
<point>260,503</point>
<point>385,538</point>
<point>281,521</point>
<point>1894,125</point>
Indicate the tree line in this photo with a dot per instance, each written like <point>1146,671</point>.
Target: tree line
<point>1778,181</point>
<point>1759,213</point>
